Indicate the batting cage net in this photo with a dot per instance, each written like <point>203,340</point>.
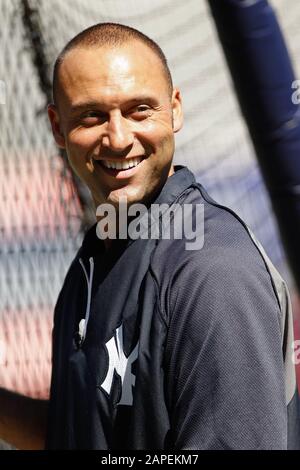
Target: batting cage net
<point>44,210</point>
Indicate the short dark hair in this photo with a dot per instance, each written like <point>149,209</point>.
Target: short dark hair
<point>110,34</point>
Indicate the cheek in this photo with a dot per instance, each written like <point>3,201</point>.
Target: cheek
<point>157,136</point>
<point>83,138</point>
<point>165,147</point>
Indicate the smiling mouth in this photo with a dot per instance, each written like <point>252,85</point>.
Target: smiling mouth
<point>126,164</point>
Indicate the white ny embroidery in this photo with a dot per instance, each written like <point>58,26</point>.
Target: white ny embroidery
<point>122,365</point>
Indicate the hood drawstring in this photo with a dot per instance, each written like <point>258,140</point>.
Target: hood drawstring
<point>89,279</point>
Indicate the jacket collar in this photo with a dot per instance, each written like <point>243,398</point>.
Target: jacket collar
<point>175,185</point>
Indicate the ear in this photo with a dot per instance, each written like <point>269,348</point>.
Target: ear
<point>177,110</point>
<point>55,125</point>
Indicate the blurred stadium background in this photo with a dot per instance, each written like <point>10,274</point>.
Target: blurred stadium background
<point>43,215</point>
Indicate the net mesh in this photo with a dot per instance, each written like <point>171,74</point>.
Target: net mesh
<point>40,213</point>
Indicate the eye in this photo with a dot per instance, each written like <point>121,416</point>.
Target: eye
<point>91,114</point>
<point>92,117</point>
<point>142,111</point>
<point>142,108</point>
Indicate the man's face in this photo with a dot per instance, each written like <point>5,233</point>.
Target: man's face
<point>114,109</point>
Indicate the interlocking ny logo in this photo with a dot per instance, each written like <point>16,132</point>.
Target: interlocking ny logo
<point>122,365</point>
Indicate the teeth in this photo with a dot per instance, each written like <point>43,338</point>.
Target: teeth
<point>122,165</point>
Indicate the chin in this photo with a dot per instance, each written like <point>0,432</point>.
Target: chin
<point>133,196</point>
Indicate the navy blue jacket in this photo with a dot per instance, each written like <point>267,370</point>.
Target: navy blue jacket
<point>160,347</point>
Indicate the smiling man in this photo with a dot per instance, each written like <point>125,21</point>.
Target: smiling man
<point>115,113</point>
<point>174,346</point>
<point>156,346</point>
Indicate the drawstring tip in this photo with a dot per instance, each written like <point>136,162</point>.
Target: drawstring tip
<point>81,328</point>
<point>79,335</point>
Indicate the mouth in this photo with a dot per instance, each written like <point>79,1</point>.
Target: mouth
<point>122,168</point>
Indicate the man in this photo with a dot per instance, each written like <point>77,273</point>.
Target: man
<point>157,344</point>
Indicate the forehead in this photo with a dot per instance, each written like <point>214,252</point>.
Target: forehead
<point>111,72</point>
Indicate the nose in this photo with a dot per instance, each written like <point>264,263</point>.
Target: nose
<point>118,136</point>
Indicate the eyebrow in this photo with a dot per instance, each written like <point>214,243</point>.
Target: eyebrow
<point>96,105</point>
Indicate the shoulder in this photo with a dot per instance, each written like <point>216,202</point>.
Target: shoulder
<point>229,267</point>
<point>227,245</point>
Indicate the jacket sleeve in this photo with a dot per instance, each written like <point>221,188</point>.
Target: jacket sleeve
<point>223,361</point>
